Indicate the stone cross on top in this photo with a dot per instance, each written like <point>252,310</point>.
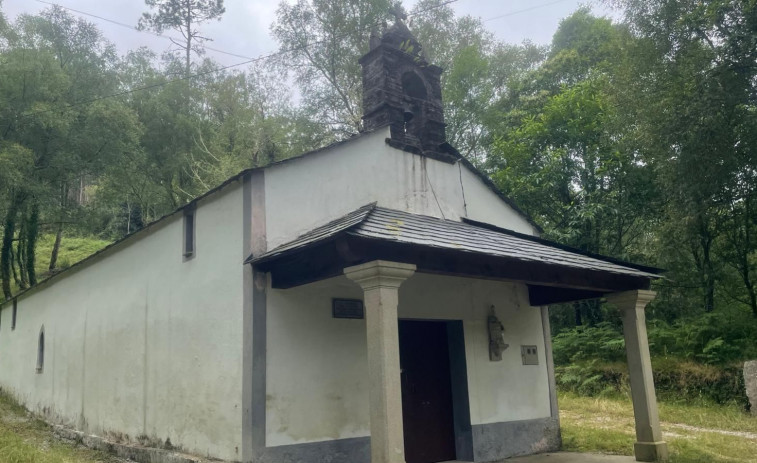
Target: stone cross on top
<point>399,12</point>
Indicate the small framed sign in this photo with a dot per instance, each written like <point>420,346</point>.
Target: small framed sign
<point>347,308</point>
<point>529,355</point>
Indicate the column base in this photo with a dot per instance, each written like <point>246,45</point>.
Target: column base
<point>651,451</point>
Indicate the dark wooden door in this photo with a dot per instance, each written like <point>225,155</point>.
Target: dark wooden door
<point>426,392</point>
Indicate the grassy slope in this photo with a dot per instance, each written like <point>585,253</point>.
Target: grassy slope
<point>72,250</point>
<point>24,439</point>
<point>606,426</point>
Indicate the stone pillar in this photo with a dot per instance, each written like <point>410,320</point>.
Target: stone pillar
<point>380,281</point>
<point>649,445</point>
<point>750,382</point>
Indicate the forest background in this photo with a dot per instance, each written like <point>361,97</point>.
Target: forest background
<point>634,138</point>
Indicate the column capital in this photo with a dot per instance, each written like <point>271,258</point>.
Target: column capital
<point>634,299</point>
<point>380,273</point>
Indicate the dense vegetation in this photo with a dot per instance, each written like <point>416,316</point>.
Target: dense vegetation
<point>636,139</point>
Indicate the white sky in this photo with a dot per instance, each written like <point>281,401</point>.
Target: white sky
<point>244,28</point>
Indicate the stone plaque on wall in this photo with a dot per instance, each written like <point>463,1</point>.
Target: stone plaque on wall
<point>347,308</point>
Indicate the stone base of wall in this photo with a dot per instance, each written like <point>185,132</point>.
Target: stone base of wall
<point>491,442</point>
<point>130,452</point>
<point>497,441</point>
<point>355,450</point>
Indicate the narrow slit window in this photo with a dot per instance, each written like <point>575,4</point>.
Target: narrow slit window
<point>189,232</point>
<point>41,350</point>
<point>15,310</point>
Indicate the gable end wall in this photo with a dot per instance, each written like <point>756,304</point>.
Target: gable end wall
<point>316,189</point>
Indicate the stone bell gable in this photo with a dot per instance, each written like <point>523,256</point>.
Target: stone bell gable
<point>403,91</point>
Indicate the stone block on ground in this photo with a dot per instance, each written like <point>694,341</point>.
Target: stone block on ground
<point>750,381</point>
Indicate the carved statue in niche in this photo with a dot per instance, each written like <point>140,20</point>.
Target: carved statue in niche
<point>497,343</point>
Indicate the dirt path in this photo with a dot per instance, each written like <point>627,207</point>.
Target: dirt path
<point>609,423</point>
<point>748,435</point>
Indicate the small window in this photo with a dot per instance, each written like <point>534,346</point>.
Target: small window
<point>15,310</point>
<point>189,232</point>
<point>41,350</point>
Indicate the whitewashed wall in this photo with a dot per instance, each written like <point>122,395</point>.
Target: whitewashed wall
<point>309,192</point>
<point>317,374</point>
<point>139,342</point>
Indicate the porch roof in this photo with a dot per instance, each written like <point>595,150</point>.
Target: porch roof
<point>465,248</point>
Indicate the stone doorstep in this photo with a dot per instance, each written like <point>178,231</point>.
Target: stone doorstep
<point>129,452</point>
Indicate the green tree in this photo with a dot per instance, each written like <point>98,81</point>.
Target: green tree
<point>464,48</point>
<point>565,151</point>
<point>185,17</point>
<point>699,79</point>
<point>55,68</point>
<point>322,41</point>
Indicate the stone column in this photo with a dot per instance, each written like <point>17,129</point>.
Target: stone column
<point>750,382</point>
<point>380,281</point>
<point>649,445</point>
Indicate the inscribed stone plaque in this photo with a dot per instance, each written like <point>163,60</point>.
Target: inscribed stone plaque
<point>750,381</point>
<point>347,308</point>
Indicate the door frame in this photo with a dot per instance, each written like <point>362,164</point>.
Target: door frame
<point>458,367</point>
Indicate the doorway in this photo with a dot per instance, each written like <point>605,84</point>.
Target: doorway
<point>428,392</point>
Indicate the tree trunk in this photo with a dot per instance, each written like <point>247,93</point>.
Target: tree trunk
<point>21,259</point>
<point>32,232</point>
<point>56,246</point>
<point>189,38</point>
<point>577,309</point>
<point>709,277</point>
<point>747,248</point>
<point>752,300</point>
<point>5,249</point>
<point>13,268</point>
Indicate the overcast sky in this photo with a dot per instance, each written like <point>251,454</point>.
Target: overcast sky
<point>244,28</point>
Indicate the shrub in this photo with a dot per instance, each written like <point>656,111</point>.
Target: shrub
<point>718,338</point>
<point>674,380</point>
<point>712,338</point>
<point>583,343</point>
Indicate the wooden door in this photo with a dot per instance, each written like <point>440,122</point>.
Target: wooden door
<point>426,392</point>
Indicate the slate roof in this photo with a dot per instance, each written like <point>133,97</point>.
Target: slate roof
<point>396,226</point>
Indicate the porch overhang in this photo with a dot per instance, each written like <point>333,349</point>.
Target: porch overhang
<point>552,272</point>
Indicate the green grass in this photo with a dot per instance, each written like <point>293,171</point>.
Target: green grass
<point>72,250</point>
<point>605,425</point>
<point>597,425</point>
<point>24,439</point>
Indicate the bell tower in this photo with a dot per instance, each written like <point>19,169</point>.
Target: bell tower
<point>402,90</point>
